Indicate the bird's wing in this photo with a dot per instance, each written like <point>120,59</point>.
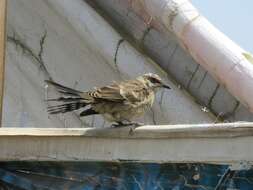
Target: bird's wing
<point>131,91</point>
<point>135,92</point>
<point>109,93</point>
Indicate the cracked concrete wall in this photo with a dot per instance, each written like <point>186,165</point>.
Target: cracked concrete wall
<point>73,45</point>
<point>164,48</point>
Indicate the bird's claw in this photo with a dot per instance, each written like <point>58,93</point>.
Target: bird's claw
<point>132,126</point>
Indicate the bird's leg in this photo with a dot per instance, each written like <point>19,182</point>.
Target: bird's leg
<point>134,125</point>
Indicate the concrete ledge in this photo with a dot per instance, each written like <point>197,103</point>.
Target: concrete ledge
<point>221,130</point>
<point>208,143</point>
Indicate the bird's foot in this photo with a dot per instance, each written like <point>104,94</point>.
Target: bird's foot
<point>133,126</point>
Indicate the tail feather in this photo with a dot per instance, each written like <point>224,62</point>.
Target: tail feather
<point>71,99</point>
<point>63,108</point>
<point>63,89</point>
<point>68,93</point>
<point>63,99</point>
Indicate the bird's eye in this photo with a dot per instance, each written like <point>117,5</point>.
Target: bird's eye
<point>154,80</point>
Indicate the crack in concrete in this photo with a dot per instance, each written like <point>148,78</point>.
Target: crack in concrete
<point>28,51</point>
<point>192,76</point>
<point>42,43</point>
<point>202,80</point>
<point>231,113</point>
<point>37,57</point>
<point>171,56</point>
<point>116,54</point>
<point>212,96</point>
<point>236,107</point>
<point>145,33</point>
<point>117,49</point>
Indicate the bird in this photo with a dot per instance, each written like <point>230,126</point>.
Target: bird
<point>119,102</point>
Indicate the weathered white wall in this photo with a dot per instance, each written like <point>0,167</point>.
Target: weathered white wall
<point>70,43</point>
<point>163,46</point>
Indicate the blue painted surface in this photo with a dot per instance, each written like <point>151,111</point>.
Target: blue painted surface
<point>122,175</point>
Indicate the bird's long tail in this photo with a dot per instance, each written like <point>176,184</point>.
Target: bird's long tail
<point>64,90</point>
<point>63,108</point>
<point>71,99</point>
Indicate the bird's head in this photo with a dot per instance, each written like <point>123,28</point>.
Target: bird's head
<point>154,81</point>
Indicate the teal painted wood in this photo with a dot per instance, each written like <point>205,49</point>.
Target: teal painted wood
<point>121,175</point>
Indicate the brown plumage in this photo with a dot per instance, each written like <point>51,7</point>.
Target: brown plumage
<point>118,102</point>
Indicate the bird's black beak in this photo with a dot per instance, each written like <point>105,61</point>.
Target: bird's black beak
<point>166,86</point>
